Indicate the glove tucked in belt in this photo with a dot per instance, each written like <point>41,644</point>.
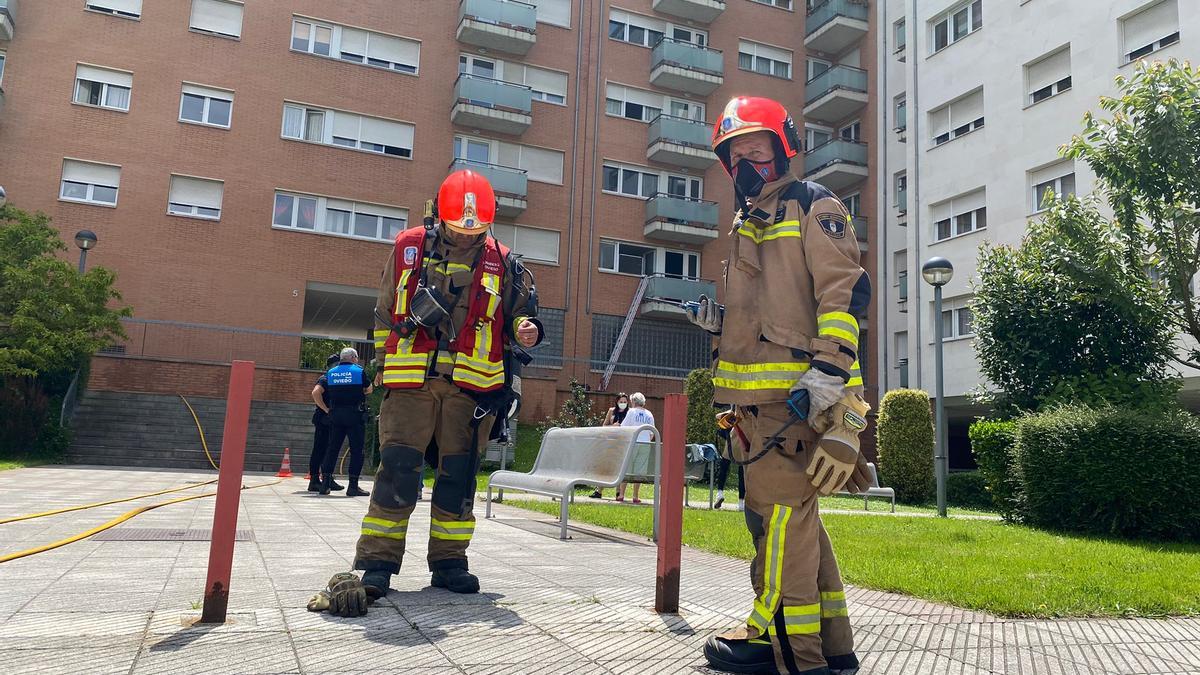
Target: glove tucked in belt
<point>836,458</point>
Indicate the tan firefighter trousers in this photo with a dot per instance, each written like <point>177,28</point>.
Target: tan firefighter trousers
<point>800,603</point>
<point>409,420</point>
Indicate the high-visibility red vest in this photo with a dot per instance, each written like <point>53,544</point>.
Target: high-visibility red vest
<point>476,358</point>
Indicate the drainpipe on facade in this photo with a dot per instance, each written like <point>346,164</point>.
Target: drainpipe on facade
<point>882,305</point>
<point>915,184</point>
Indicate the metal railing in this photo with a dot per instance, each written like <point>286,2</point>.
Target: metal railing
<point>504,179</point>
<point>511,13</point>
<point>683,210</point>
<point>9,8</point>
<point>861,229</point>
<point>829,10</point>
<point>902,200</point>
<point>491,93</point>
<point>678,288</point>
<point>837,77</point>
<point>680,130</point>
<point>687,55</point>
<point>835,151</point>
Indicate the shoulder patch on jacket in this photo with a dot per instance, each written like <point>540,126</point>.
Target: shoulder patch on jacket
<point>834,224</point>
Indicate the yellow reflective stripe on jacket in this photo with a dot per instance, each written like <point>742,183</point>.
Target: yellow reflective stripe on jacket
<point>380,335</point>
<point>379,527</point>
<point>833,604</point>
<point>491,282</point>
<point>787,228</point>
<point>402,292</point>
<point>856,379</point>
<point>755,376</point>
<point>800,620</point>
<point>839,325</point>
<point>464,374</point>
<point>452,267</point>
<point>453,530</point>
<point>775,542</point>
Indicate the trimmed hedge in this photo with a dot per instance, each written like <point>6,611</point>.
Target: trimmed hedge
<point>1111,471</point>
<point>905,435</point>
<point>968,490</point>
<point>992,443</point>
<point>701,415</point>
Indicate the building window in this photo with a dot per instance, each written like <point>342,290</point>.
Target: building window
<point>218,17</point>
<point>851,132</point>
<point>644,106</point>
<point>956,24</point>
<point>764,59</point>
<point>901,181</point>
<point>635,29</point>
<point>130,9</point>
<point>1057,180</point>
<point>635,182</point>
<point>853,203</point>
<point>103,88</point>
<point>1150,30</point>
<point>538,164</point>
<point>900,31</point>
<point>89,182</point>
<point>957,323</point>
<point>1,68</point>
<point>902,366</point>
<point>340,217</point>
<point>957,118</point>
<point>961,215</point>
<point>364,47</point>
<point>205,105</point>
<point>1048,76</point>
<point>195,197</point>
<point>532,244</point>
<point>642,260</point>
<point>781,4</point>
<point>901,113</point>
<point>347,130</point>
<point>815,67</point>
<point>548,86</point>
<point>815,137</point>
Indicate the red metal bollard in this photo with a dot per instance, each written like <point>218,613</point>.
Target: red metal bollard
<point>670,523</point>
<point>229,488</point>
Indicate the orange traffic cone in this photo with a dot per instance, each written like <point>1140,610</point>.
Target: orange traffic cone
<point>285,470</point>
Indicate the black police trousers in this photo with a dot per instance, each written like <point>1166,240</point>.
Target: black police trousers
<point>345,423</point>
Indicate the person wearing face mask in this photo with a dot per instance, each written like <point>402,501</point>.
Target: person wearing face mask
<point>613,418</point>
<point>794,295</point>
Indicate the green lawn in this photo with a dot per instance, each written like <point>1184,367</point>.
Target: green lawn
<point>20,462</point>
<point>1004,569</point>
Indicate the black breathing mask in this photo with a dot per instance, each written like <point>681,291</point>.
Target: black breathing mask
<point>750,177</point>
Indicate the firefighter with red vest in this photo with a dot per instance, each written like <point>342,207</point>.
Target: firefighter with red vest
<point>788,340</point>
<point>454,312</point>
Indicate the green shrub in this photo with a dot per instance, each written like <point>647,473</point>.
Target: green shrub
<point>905,434</point>
<point>968,490</point>
<point>992,443</point>
<point>701,416</point>
<point>1111,471</point>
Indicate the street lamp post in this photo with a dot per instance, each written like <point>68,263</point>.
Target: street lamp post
<point>85,240</point>
<point>937,272</point>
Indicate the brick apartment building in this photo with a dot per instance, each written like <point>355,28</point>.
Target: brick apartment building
<point>246,165</point>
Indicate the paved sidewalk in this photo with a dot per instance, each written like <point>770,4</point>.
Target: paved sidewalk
<point>582,606</point>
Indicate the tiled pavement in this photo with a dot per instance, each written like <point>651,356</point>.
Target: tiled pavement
<point>582,606</point>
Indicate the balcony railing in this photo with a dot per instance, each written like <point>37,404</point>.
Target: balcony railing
<point>703,11</point>
<point>503,25</point>
<point>505,180</point>
<point>836,25</point>
<point>831,9</point>
<point>509,13</point>
<point>682,210</point>
<point>676,288</point>
<point>489,93</point>
<point>688,55</point>
<point>901,119</point>
<point>902,200</point>
<point>902,280</point>
<point>835,151</point>
<point>681,131</point>
<point>837,77</point>
<point>8,18</point>
<point>861,229</point>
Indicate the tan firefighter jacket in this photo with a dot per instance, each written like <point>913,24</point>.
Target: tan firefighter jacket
<point>794,295</point>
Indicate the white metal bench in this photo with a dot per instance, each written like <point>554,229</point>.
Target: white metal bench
<point>596,456</point>
<point>875,490</point>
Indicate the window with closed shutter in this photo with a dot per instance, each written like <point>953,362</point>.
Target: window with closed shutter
<point>386,136</point>
<point>557,12</point>
<point>220,17</point>
<point>547,85</point>
<point>391,52</point>
<point>196,197</point>
<point>532,244</point>
<point>130,9</point>
<point>1150,29</point>
<point>541,164</point>
<point>90,182</point>
<point>957,118</point>
<point>1048,76</point>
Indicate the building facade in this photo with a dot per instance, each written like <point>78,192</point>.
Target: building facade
<point>966,154</point>
<point>245,166</point>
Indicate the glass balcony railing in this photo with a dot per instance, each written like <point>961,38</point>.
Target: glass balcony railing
<point>674,288</point>
<point>491,93</point>
<point>902,280</point>
<point>902,199</point>
<point>831,9</point>
<point>683,210</point>
<point>511,13</point>
<point>687,55</point>
<point>901,118</point>
<point>681,130</point>
<point>504,179</point>
<point>835,151</point>
<point>860,227</point>
<point>837,77</point>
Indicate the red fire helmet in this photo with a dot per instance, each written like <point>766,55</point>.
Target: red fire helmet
<point>466,202</point>
<point>748,114</point>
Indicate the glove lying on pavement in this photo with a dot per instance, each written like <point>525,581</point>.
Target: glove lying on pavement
<point>837,458</point>
<point>343,596</point>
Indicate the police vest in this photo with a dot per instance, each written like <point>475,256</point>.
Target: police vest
<point>344,383</point>
<point>475,360</point>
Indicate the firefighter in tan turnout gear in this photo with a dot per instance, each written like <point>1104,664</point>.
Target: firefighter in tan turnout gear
<point>794,296</point>
<point>453,306</point>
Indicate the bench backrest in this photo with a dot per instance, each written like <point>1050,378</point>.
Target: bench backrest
<point>602,453</point>
<point>874,475</point>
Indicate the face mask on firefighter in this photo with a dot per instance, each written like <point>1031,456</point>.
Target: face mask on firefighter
<point>750,177</point>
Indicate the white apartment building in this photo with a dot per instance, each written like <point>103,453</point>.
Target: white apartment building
<point>976,96</point>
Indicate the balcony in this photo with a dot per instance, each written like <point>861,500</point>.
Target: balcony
<point>504,25</point>
<point>686,67</point>
<point>8,19</point>
<point>835,94</point>
<point>700,11</point>
<point>510,185</point>
<point>673,288</point>
<point>835,25</point>
<point>902,201</point>
<point>495,105</point>
<point>837,164</point>
<point>680,141</point>
<point>861,228</point>
<point>680,219</point>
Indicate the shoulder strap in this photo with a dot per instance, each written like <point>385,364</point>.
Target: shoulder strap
<point>806,192</point>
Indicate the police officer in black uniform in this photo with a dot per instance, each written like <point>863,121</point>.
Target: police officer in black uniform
<point>321,422</point>
<point>347,387</point>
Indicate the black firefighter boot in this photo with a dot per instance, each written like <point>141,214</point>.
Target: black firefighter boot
<point>456,579</point>
<point>354,490</point>
<point>843,664</point>
<point>376,583</point>
<point>740,656</point>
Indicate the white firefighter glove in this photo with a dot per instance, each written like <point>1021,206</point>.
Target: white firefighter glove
<point>823,390</point>
<point>836,458</point>
<point>706,316</point>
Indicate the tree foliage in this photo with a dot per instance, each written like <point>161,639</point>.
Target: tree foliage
<point>905,433</point>
<point>1147,159</point>
<point>51,317</point>
<point>315,351</point>
<point>576,410</point>
<point>701,416</point>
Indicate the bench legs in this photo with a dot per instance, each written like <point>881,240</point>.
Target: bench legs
<point>488,512</point>
<point>563,517</point>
